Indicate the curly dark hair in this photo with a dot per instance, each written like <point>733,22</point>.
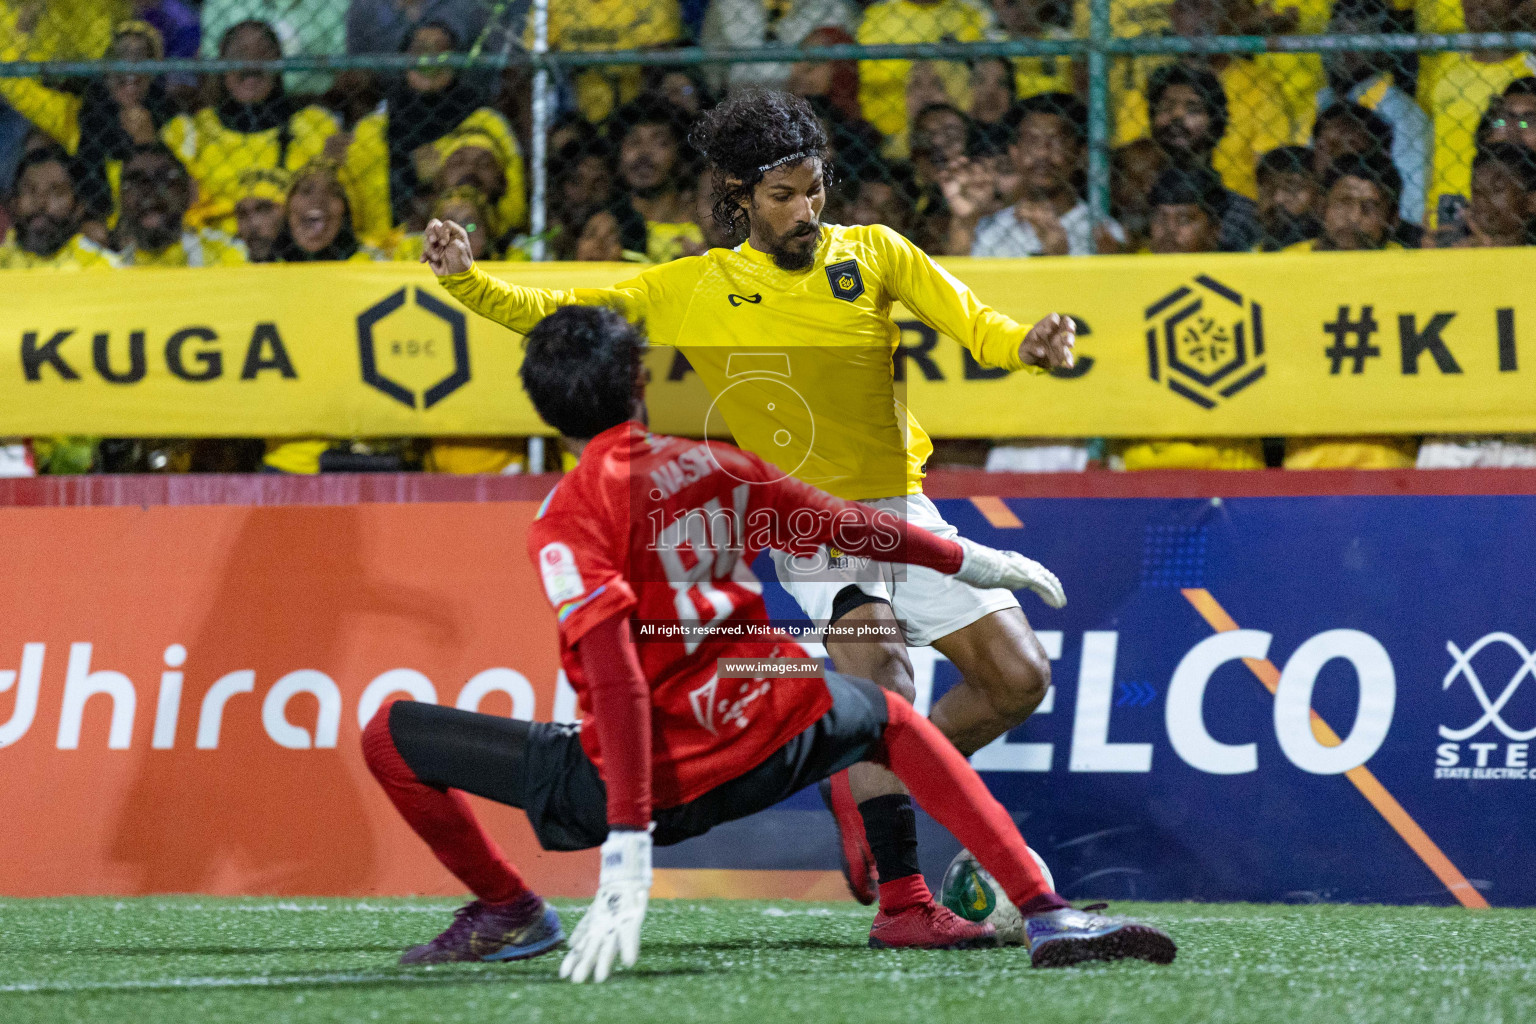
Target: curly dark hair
<point>579,369</point>
<point>750,133</point>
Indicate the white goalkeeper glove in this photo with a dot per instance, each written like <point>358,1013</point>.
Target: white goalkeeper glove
<point>985,568</point>
<point>612,925</point>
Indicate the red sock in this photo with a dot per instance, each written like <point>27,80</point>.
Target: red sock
<point>947,787</point>
<point>911,891</point>
<point>443,819</point>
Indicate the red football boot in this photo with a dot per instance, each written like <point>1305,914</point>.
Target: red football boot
<point>929,926</point>
<point>858,861</point>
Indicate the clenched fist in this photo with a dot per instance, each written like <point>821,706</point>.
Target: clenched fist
<point>446,248</point>
<point>1049,343</point>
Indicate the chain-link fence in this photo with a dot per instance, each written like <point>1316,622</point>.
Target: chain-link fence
<point>168,132</point>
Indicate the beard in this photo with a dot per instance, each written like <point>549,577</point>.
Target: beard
<point>1288,229</point>
<point>43,235</point>
<point>796,249</point>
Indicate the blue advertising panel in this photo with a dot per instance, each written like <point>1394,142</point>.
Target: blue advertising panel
<point>1262,698</point>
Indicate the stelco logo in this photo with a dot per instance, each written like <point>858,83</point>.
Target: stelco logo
<point>1206,341</point>
<point>418,355</point>
<point>1484,757</point>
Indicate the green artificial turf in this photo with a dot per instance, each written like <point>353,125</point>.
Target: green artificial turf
<point>167,960</point>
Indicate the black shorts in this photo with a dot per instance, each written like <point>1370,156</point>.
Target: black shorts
<point>541,767</point>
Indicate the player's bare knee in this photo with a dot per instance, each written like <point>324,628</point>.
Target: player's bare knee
<point>1017,682</point>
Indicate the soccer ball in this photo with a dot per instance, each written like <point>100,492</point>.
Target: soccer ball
<point>971,892</point>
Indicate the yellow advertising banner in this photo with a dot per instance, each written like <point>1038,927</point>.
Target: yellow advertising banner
<point>1306,343</point>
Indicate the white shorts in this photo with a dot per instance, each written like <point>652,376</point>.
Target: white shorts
<point>929,604</point>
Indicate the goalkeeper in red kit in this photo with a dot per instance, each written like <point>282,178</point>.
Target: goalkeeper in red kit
<point>645,550</point>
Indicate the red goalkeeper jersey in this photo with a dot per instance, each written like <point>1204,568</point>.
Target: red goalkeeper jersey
<point>664,530</point>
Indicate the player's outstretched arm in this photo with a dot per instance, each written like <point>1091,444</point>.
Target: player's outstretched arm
<point>865,532</point>
<point>944,303</point>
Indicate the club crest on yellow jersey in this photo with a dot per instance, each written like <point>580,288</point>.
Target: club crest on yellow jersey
<point>846,281</point>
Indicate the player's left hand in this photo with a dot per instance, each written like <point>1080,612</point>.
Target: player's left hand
<point>1049,343</point>
<point>985,568</point>
<point>612,925</point>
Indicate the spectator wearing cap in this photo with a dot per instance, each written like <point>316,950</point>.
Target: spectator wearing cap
<point>655,210</point>
<point>102,124</point>
<point>45,210</point>
<point>301,28</point>
<point>1186,218</point>
<point>1050,217</point>
<point>1189,124</point>
<point>1359,205</point>
<point>1364,79</point>
<point>153,229</point>
<point>1456,88</point>
<point>883,84</point>
<point>252,123</point>
<point>1500,213</point>
<point>599,25</point>
<point>426,118</point>
<point>1288,198</point>
<point>261,209</point>
<point>748,24</point>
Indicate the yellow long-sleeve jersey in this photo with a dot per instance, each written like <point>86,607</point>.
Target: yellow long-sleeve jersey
<point>799,362</point>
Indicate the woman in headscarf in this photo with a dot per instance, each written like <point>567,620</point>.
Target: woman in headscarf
<point>319,218</point>
<point>101,126</point>
<point>395,152</point>
<point>252,123</point>
<point>319,228</point>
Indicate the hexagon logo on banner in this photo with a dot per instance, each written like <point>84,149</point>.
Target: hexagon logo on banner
<point>416,353</point>
<point>1206,341</point>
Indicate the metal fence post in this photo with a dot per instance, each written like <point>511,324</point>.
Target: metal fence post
<point>1099,133</point>
<point>538,192</point>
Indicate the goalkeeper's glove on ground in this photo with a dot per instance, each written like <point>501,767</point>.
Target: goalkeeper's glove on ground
<point>612,925</point>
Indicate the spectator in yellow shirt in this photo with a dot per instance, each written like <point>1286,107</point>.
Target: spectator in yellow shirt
<point>319,223</point>
<point>252,124</point>
<point>99,126</point>
<point>655,207</point>
<point>588,25</point>
<point>1460,90</point>
<point>882,83</point>
<point>465,205</point>
<point>396,151</point>
<point>153,230</point>
<point>45,212</point>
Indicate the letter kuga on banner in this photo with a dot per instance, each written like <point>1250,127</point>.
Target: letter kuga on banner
<point>1175,346</point>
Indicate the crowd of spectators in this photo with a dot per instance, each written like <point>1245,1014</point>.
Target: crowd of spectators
<point>1276,152</point>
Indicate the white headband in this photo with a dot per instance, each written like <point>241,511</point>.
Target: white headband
<point>793,158</point>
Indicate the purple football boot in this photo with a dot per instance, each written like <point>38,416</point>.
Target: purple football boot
<point>480,931</point>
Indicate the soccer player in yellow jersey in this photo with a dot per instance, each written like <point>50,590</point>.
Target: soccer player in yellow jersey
<point>792,332</point>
